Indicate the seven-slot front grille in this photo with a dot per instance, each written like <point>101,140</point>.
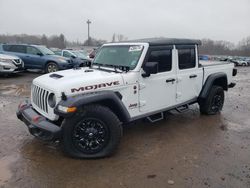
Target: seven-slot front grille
<point>40,97</point>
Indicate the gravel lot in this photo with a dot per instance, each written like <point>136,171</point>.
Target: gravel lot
<point>185,150</point>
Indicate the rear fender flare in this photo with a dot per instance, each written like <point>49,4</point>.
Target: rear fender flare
<point>219,79</point>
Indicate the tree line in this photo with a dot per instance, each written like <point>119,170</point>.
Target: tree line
<point>56,41</point>
<point>208,47</point>
<point>211,47</point>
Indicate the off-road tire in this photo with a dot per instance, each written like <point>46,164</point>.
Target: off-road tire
<point>96,112</point>
<point>51,67</point>
<point>213,104</point>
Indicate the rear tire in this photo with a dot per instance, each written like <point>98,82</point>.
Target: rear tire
<point>51,67</point>
<point>94,132</point>
<point>213,104</point>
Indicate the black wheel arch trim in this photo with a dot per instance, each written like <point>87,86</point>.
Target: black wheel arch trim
<point>219,79</point>
<point>107,98</point>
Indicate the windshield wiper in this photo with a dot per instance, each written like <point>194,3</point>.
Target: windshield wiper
<point>104,65</point>
<point>119,67</point>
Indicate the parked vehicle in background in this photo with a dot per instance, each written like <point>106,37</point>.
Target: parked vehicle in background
<point>240,62</point>
<point>78,57</point>
<point>248,62</point>
<point>37,57</point>
<point>10,64</point>
<point>204,57</point>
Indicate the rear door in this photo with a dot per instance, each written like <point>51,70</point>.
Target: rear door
<point>189,75</point>
<point>158,91</point>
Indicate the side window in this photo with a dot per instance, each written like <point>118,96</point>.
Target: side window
<point>186,58</point>
<point>163,57</point>
<point>6,48</point>
<point>66,54</point>
<point>17,48</point>
<point>33,51</point>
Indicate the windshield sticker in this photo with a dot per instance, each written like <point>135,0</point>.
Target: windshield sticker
<point>135,48</point>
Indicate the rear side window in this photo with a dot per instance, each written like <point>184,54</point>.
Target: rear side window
<point>164,59</point>
<point>186,58</point>
<point>6,48</point>
<point>15,48</point>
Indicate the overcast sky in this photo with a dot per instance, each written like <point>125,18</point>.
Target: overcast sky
<point>216,19</point>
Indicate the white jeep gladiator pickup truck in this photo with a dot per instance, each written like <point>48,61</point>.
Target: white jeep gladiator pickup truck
<point>86,108</point>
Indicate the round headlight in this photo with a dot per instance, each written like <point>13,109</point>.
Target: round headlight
<point>52,100</point>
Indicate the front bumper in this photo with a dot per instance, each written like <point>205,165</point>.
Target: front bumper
<point>10,68</point>
<point>66,66</point>
<point>38,125</point>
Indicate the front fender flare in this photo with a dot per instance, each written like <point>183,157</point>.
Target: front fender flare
<point>108,98</point>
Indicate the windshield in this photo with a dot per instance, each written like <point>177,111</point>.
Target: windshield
<point>79,54</point>
<point>45,50</point>
<point>127,56</point>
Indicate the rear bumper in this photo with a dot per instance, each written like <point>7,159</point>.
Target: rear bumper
<point>37,125</point>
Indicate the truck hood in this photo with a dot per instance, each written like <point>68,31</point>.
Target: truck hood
<point>77,81</point>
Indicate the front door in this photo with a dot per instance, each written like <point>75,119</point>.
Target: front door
<point>158,91</point>
<point>32,59</point>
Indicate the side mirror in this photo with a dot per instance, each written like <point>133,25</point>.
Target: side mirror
<point>40,54</point>
<point>73,56</point>
<point>150,68</point>
<point>92,56</point>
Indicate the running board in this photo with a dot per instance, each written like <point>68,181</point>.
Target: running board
<point>182,109</point>
<point>156,117</point>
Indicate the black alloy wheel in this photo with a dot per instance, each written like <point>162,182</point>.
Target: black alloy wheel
<point>90,135</point>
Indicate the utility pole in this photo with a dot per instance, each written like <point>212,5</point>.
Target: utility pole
<point>88,22</point>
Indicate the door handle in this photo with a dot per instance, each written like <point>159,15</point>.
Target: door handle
<point>170,80</point>
<point>193,76</point>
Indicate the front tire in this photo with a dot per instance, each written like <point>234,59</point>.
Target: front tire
<point>94,132</point>
<point>213,104</point>
<point>51,67</point>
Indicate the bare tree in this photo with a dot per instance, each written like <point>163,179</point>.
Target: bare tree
<point>113,38</point>
<point>121,37</point>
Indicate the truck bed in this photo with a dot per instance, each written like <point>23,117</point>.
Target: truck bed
<point>212,63</point>
<point>211,67</point>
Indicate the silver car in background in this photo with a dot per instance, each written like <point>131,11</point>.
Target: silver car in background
<point>10,64</point>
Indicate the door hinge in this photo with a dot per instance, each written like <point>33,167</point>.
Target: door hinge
<point>141,86</point>
<point>178,95</point>
<point>142,103</point>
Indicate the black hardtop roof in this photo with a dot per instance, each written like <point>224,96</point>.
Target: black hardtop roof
<point>167,41</point>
